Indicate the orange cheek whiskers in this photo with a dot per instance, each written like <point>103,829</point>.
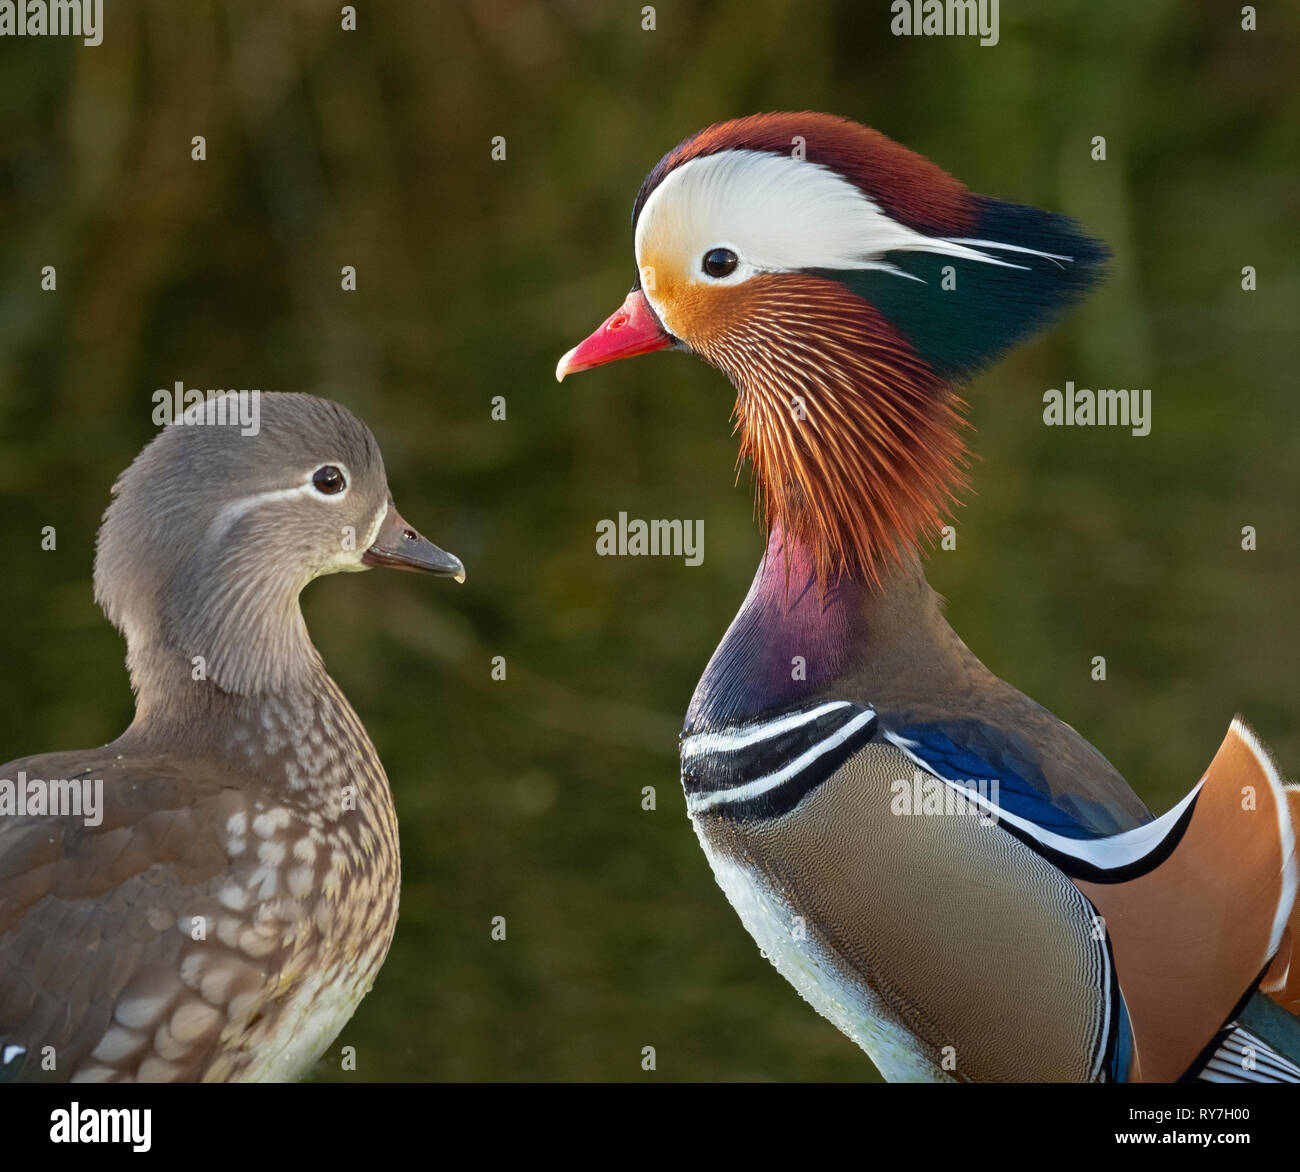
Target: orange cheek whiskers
<point>854,442</point>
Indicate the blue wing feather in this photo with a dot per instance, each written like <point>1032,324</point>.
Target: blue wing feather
<point>971,751</point>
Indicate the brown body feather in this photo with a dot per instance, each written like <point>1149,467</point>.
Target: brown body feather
<point>1192,935</point>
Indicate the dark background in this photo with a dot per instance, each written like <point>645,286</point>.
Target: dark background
<point>522,798</point>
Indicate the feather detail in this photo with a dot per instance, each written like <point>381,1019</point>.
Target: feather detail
<point>854,441</point>
<point>911,188</point>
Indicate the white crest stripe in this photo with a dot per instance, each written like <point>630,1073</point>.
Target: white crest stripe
<point>781,214</point>
<point>1009,247</point>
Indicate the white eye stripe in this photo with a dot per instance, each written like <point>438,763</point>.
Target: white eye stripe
<point>778,214</point>
<point>232,511</point>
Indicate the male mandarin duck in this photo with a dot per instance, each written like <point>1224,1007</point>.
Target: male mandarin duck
<point>225,911</point>
<point>1065,934</point>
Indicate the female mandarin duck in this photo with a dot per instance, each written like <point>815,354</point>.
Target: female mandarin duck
<point>1065,934</point>
<point>230,906</point>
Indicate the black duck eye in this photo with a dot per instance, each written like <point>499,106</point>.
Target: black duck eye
<point>720,262</point>
<point>329,480</point>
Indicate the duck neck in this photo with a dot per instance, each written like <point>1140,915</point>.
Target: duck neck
<point>301,741</point>
<point>793,642</point>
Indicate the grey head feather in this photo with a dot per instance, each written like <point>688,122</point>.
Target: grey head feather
<point>212,534</point>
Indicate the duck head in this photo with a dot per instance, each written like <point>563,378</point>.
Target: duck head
<point>213,533</point>
<point>845,285</point>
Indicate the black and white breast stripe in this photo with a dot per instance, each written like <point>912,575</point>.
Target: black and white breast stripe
<point>1244,1057</point>
<point>764,768</point>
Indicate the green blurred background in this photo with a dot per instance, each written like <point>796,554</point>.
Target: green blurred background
<point>522,798</point>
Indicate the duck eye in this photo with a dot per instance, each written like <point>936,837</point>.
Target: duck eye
<point>720,262</point>
<point>329,480</point>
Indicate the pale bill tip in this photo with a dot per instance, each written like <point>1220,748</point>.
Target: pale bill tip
<point>562,367</point>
